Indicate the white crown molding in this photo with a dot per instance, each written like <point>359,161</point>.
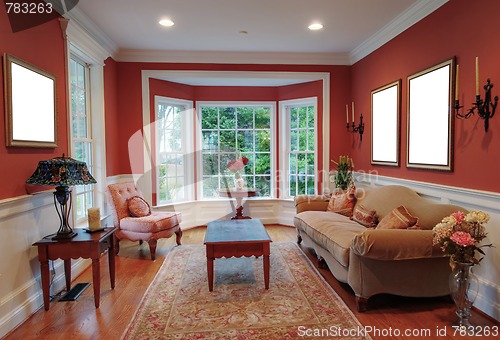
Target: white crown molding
<point>85,34</point>
<point>408,18</point>
<point>218,57</point>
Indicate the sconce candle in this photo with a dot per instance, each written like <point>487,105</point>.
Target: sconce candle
<point>94,216</point>
<point>347,113</point>
<point>353,112</point>
<point>477,76</point>
<point>456,85</point>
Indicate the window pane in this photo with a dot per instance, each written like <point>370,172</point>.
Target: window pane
<point>245,141</point>
<point>227,118</point>
<point>245,117</point>
<point>301,158</point>
<point>263,163</point>
<point>209,118</point>
<point>294,140</point>
<point>310,140</point>
<point>228,140</point>
<point>170,153</point>
<point>262,118</point>
<point>263,140</point>
<point>294,116</point>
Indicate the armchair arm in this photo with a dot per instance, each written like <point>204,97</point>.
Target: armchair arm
<point>395,244</point>
<point>311,203</point>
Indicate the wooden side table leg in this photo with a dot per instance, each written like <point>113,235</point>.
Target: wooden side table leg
<point>96,275</point>
<point>44,269</point>
<point>111,260</point>
<point>67,273</point>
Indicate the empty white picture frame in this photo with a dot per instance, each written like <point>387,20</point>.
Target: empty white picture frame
<point>385,122</point>
<point>30,105</point>
<point>430,120</point>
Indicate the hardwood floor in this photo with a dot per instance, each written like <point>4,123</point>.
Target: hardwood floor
<point>387,315</point>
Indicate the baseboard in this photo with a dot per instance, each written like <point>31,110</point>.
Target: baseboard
<point>31,296</point>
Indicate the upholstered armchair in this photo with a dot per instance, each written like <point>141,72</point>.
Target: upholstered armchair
<point>135,221</point>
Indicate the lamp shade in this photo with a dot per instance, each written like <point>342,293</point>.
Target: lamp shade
<point>61,171</point>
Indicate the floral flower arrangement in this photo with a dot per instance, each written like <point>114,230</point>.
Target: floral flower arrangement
<point>237,164</point>
<point>459,235</point>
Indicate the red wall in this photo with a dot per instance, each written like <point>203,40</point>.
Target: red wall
<point>459,28</point>
<point>236,93</point>
<point>112,117</point>
<point>130,93</point>
<point>42,46</point>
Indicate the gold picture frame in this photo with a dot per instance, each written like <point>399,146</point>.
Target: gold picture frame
<point>430,119</point>
<point>30,105</point>
<point>385,126</point>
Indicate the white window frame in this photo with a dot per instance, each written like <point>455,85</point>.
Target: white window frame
<point>284,109</point>
<point>199,142</point>
<point>95,108</point>
<point>188,129</point>
<point>89,189</point>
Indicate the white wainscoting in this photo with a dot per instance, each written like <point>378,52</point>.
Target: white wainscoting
<point>488,272</point>
<point>26,219</point>
<point>23,221</point>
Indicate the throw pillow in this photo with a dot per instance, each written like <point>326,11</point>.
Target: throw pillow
<point>399,218</point>
<point>138,207</point>
<point>342,203</point>
<point>364,216</point>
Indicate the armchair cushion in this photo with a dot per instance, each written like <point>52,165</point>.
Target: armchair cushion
<point>138,207</point>
<point>152,223</point>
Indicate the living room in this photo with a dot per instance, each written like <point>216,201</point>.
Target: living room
<point>126,83</point>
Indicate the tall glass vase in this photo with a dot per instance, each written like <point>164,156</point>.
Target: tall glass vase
<point>463,288</point>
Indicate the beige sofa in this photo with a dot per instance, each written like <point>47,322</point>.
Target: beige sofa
<point>373,261</point>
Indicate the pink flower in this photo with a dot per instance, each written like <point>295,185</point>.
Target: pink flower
<point>237,164</point>
<point>458,216</point>
<point>462,239</point>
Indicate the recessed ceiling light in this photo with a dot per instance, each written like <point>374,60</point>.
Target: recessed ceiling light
<point>166,22</point>
<point>315,26</point>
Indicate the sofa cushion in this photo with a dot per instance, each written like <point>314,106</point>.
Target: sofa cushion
<point>365,217</point>
<point>398,218</point>
<point>384,199</point>
<point>334,232</point>
<point>342,203</point>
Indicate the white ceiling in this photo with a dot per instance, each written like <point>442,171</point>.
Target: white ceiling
<point>209,30</point>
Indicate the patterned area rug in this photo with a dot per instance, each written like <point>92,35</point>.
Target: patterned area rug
<point>299,303</point>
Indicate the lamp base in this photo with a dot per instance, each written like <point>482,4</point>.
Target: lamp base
<point>64,236</point>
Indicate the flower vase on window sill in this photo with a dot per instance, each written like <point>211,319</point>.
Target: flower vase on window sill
<point>239,182</point>
<point>235,166</point>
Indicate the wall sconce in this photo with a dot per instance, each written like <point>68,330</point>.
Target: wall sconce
<point>482,107</point>
<point>353,128</point>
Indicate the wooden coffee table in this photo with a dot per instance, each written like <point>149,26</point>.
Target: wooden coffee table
<point>236,238</point>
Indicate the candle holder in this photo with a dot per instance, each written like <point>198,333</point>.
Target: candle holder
<point>482,107</point>
<point>359,129</point>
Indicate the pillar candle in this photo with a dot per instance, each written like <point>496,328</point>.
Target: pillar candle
<point>353,112</point>
<point>94,217</point>
<point>477,76</point>
<point>456,85</point>
<point>347,113</point>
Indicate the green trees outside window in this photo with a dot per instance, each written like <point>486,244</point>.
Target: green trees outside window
<point>301,157</point>
<point>229,132</point>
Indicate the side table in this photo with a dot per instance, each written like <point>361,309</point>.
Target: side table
<point>84,245</point>
<point>238,195</point>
